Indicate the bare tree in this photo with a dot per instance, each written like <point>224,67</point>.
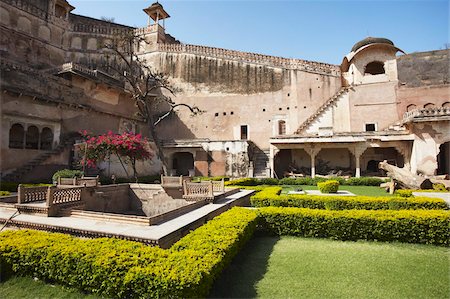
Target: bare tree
<point>150,90</point>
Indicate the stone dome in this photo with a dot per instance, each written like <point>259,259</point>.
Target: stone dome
<point>371,40</point>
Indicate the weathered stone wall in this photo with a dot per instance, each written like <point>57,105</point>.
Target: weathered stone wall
<point>410,98</point>
<point>424,68</point>
<point>246,96</point>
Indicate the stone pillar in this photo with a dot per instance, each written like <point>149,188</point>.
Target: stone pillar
<point>250,170</point>
<point>20,194</point>
<point>273,151</point>
<point>357,151</point>
<point>312,152</point>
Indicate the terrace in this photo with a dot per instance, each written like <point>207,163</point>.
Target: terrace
<point>149,213</point>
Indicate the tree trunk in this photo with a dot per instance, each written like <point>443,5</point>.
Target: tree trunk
<point>160,153</point>
<point>405,178</point>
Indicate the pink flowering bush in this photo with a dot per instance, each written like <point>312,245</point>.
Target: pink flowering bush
<point>128,147</point>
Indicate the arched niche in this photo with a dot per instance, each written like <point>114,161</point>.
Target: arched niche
<point>46,142</point>
<point>24,24</point>
<point>16,136</point>
<point>32,138</point>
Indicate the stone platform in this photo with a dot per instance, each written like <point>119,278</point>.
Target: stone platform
<point>163,235</point>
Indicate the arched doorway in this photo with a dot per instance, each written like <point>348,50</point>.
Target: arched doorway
<point>282,162</point>
<point>182,163</point>
<point>46,139</point>
<point>16,136</point>
<point>32,138</point>
<point>443,159</point>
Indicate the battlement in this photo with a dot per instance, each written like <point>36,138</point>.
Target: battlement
<point>287,63</point>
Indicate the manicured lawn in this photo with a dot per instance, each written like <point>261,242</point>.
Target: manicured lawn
<point>357,190</point>
<point>290,267</point>
<point>26,287</point>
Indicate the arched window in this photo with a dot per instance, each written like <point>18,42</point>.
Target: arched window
<point>446,104</point>
<point>46,139</point>
<point>374,68</point>
<point>281,127</point>
<point>32,138</point>
<point>16,136</point>
<point>428,106</point>
<point>411,107</point>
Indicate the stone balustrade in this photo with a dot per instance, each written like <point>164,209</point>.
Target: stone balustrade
<point>98,29</point>
<point>218,186</point>
<point>31,194</point>
<point>252,58</point>
<point>51,195</point>
<point>426,113</point>
<point>66,195</point>
<point>172,180</point>
<point>149,29</point>
<point>73,66</point>
<point>83,181</point>
<point>198,191</point>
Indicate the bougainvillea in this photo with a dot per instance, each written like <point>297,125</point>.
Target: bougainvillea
<point>128,147</point>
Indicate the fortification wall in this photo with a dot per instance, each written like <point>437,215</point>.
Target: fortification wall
<point>236,89</point>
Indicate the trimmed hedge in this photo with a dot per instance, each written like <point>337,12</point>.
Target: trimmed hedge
<point>404,193</point>
<point>410,226</point>
<point>125,269</point>
<point>328,186</point>
<point>362,181</point>
<point>66,173</point>
<point>270,196</point>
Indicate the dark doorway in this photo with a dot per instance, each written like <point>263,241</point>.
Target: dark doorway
<point>443,159</point>
<point>183,162</point>
<point>282,161</point>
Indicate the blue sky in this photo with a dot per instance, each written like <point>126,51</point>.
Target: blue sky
<point>319,30</point>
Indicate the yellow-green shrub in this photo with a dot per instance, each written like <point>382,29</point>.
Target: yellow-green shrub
<point>270,197</point>
<point>410,226</point>
<point>123,269</point>
<point>331,186</point>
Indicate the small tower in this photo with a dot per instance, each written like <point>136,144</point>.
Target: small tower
<point>154,33</point>
<point>156,13</point>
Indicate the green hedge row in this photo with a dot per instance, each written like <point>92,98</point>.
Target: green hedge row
<point>363,181</point>
<point>123,269</point>
<point>270,196</point>
<point>410,226</point>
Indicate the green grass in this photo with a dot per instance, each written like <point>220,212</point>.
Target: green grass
<point>357,190</point>
<point>293,267</point>
<point>27,287</point>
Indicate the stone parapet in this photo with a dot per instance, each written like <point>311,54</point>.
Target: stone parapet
<point>288,63</point>
<point>429,114</point>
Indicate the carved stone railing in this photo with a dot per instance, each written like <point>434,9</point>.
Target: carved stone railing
<point>149,29</point>
<point>289,63</point>
<point>70,66</point>
<point>198,191</point>
<point>426,113</point>
<point>66,195</point>
<point>98,29</point>
<point>83,181</point>
<point>174,180</point>
<point>218,186</point>
<point>31,194</point>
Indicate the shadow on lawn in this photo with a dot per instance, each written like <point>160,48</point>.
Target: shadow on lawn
<point>240,278</point>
